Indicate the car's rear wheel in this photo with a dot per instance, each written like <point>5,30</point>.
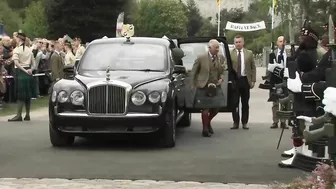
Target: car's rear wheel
<point>168,130</point>
<point>185,120</point>
<point>59,139</point>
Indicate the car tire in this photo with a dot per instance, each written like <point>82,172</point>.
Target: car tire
<point>59,139</point>
<point>185,120</point>
<point>168,131</point>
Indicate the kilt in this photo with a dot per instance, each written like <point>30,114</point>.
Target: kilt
<point>203,101</point>
<point>26,87</point>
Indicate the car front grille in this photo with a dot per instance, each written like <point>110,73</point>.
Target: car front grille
<point>107,99</point>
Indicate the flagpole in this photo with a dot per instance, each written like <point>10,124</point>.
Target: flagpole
<point>219,18</point>
<point>272,26</point>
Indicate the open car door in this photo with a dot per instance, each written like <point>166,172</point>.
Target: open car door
<point>194,47</point>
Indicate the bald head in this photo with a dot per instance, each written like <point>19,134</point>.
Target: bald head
<point>281,42</point>
<point>213,46</point>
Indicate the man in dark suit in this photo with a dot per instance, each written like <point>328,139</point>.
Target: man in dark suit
<point>56,63</point>
<point>243,63</point>
<point>281,58</point>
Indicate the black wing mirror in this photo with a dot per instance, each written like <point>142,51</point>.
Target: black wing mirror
<point>178,69</point>
<point>69,72</point>
<point>177,53</point>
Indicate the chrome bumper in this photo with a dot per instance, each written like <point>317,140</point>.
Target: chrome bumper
<point>128,115</point>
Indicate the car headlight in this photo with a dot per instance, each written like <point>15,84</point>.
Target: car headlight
<point>53,96</point>
<point>77,98</point>
<point>62,96</point>
<point>138,98</point>
<point>163,96</point>
<point>154,97</point>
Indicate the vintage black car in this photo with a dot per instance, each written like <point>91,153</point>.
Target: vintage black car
<point>193,47</point>
<point>121,85</point>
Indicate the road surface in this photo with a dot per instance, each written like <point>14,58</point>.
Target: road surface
<point>229,156</point>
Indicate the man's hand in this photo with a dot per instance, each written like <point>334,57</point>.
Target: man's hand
<point>294,84</point>
<point>252,85</point>
<point>271,67</point>
<point>329,100</point>
<point>220,81</point>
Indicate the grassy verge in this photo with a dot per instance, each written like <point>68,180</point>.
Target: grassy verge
<point>11,108</point>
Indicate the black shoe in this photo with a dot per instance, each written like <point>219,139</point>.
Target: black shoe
<point>206,133</point>
<point>281,165</point>
<point>235,126</point>
<point>27,118</point>
<point>274,126</point>
<point>284,126</point>
<point>16,118</point>
<point>245,127</point>
<point>211,130</point>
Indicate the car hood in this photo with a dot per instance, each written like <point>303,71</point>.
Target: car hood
<point>131,77</point>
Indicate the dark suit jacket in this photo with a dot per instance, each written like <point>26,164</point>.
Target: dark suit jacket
<point>250,67</point>
<point>57,66</point>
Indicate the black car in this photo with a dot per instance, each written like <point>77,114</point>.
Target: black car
<point>120,85</point>
<point>193,47</point>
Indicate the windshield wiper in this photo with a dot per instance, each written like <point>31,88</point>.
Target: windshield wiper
<point>148,70</point>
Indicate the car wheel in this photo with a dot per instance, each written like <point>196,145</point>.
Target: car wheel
<point>185,120</point>
<point>168,131</point>
<point>59,139</point>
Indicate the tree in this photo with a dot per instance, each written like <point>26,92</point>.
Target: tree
<point>89,19</point>
<point>194,18</point>
<point>35,24</point>
<point>207,29</point>
<point>156,18</point>
<point>9,18</point>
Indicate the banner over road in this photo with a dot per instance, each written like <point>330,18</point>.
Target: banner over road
<point>245,27</point>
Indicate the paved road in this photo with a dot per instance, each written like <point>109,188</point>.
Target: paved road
<point>229,156</point>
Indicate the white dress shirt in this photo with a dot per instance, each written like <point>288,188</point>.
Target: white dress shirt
<point>284,54</point>
<point>242,66</point>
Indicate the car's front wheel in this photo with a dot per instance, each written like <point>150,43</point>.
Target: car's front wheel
<point>168,130</point>
<point>59,139</point>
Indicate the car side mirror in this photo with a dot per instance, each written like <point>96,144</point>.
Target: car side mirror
<point>69,72</point>
<point>177,53</point>
<point>178,69</point>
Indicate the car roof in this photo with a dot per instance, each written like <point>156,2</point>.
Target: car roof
<point>143,40</point>
<point>200,40</point>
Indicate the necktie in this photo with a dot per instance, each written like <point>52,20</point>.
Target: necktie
<point>239,64</point>
<point>213,58</point>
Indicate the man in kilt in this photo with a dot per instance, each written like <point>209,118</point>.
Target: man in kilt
<point>207,76</point>
<point>24,62</point>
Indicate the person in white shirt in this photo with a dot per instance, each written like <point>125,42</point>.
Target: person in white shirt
<point>70,58</point>
<point>244,65</point>
<point>281,58</point>
<point>79,48</point>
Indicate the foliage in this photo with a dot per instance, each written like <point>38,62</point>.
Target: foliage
<point>207,29</point>
<point>89,19</point>
<point>156,18</point>
<point>194,18</point>
<point>323,177</point>
<point>35,24</point>
<point>9,18</point>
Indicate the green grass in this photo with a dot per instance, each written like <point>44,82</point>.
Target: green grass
<point>11,108</point>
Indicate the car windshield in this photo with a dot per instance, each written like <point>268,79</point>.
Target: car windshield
<point>130,57</point>
<point>192,50</point>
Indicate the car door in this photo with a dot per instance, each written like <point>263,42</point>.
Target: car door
<point>192,48</point>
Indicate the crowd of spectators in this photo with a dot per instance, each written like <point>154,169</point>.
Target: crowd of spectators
<point>42,48</point>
